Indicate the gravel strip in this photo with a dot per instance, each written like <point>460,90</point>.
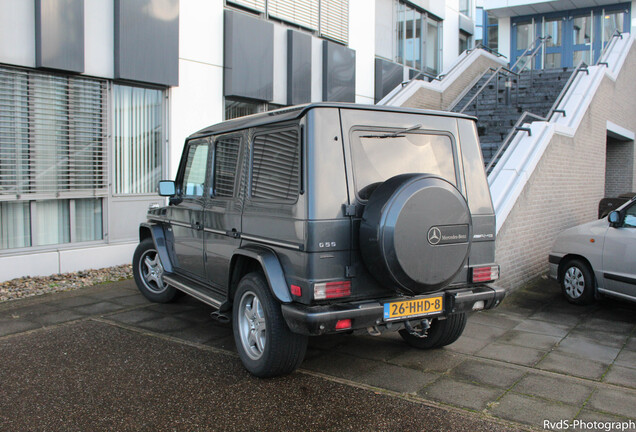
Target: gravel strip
<point>37,285</point>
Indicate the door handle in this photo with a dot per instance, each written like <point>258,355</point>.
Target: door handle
<point>233,233</point>
<point>198,226</point>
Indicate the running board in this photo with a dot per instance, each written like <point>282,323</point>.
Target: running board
<point>175,282</point>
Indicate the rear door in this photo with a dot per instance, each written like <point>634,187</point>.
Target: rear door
<point>186,218</point>
<point>619,256</point>
<point>223,210</point>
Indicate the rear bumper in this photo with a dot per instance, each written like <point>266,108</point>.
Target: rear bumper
<point>318,320</point>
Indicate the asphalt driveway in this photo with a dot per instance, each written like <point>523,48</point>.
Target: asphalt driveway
<point>103,358</point>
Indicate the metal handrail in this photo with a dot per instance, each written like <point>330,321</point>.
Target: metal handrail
<point>581,67</point>
<point>496,72</point>
<point>485,48</point>
<point>612,41</point>
<point>534,50</point>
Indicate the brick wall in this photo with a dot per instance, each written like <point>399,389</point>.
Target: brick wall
<point>567,184</point>
<point>619,167</point>
<point>431,99</point>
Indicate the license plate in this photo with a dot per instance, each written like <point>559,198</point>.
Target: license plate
<point>413,308</point>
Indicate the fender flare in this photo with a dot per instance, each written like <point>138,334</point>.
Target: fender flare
<point>271,267</point>
<point>159,239</point>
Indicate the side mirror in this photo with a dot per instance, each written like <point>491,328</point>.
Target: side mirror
<point>167,188</point>
<point>614,218</point>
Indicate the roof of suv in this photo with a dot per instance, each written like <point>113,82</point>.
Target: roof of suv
<point>297,111</point>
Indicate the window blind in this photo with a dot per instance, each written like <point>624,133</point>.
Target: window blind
<point>52,134</point>
<point>334,20</point>
<point>258,5</point>
<point>302,12</point>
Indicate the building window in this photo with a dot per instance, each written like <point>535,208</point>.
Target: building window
<point>417,39</point>
<point>464,7</point>
<point>486,29</point>
<point>328,18</point>
<point>463,41</point>
<point>53,141</point>
<point>235,107</point>
<point>137,139</point>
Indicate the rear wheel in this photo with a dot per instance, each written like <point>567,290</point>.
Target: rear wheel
<point>148,274</point>
<point>266,346</point>
<point>441,333</point>
<point>577,282</point>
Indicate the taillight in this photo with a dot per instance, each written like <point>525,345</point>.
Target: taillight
<point>329,290</point>
<point>296,291</point>
<point>485,274</point>
<point>344,324</point>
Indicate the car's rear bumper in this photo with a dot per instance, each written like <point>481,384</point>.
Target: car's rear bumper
<point>317,320</point>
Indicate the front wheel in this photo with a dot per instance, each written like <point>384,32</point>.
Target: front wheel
<point>441,333</point>
<point>148,274</point>
<point>264,343</point>
<point>577,282</point>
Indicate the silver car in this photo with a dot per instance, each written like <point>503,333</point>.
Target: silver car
<point>598,258</point>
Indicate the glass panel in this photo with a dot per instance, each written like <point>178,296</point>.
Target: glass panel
<point>194,175</point>
<point>399,38</point>
<point>582,30</point>
<point>432,45</point>
<point>234,108</point>
<point>225,160</point>
<point>479,19</point>
<point>553,28</point>
<point>463,42</point>
<point>88,220</point>
<point>493,38</point>
<point>15,225</point>
<point>417,43</point>
<point>377,158</point>
<point>53,222</point>
<point>137,137</point>
<point>276,166</point>
<point>612,21</point>
<point>464,7</point>
<point>524,36</point>
<point>14,133</point>
<point>586,56</point>
<point>409,46</point>
<point>552,61</point>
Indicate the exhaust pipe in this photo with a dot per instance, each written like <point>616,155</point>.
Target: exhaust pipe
<point>220,317</point>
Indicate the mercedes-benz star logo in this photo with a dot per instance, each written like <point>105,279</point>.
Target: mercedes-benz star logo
<point>434,236</point>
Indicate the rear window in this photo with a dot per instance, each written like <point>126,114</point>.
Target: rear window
<point>378,157</point>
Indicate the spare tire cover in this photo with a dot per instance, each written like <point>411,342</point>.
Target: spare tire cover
<point>415,233</point>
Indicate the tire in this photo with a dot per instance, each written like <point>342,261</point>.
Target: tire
<point>577,282</point>
<point>266,346</point>
<point>148,274</point>
<point>441,333</point>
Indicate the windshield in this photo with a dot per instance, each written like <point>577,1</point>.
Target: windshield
<point>378,157</point>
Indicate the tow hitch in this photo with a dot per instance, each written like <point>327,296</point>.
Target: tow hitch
<point>418,329</point>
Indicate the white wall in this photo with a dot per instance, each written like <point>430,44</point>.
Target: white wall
<point>17,32</point>
<point>504,36</point>
<point>99,38</point>
<point>450,34</point>
<point>198,100</point>
<point>362,40</point>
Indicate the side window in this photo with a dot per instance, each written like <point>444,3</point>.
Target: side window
<point>225,165</point>
<point>275,166</point>
<point>196,163</point>
<point>630,217</point>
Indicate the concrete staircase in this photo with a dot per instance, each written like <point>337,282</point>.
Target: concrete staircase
<point>498,108</point>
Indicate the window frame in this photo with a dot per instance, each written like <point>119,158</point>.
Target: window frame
<point>239,169</point>
<point>300,147</point>
<point>183,166</point>
<point>459,180</point>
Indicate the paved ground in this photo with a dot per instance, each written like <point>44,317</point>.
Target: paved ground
<point>104,358</point>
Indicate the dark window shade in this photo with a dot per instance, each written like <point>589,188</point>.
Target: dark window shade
<point>225,165</point>
<point>275,166</point>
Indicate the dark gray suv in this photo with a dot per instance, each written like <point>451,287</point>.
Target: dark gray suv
<point>327,218</point>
